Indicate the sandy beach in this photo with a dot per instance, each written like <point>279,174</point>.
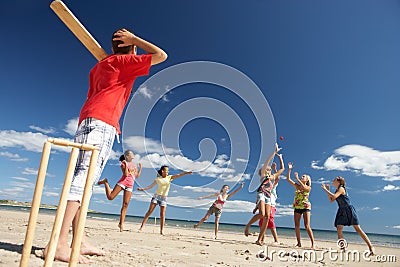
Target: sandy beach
<point>181,247</point>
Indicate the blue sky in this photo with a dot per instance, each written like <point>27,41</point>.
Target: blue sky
<point>324,74</point>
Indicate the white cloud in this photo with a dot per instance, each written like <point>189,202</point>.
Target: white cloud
<point>143,90</point>
<point>11,192</point>
<point>71,126</point>
<point>27,140</point>
<point>140,144</point>
<point>199,189</point>
<point>222,160</point>
<point>178,162</point>
<point>242,160</point>
<point>376,208</point>
<point>165,98</point>
<point>314,165</point>
<point>156,154</point>
<point>365,161</point>
<point>42,130</point>
<point>98,190</point>
<point>283,210</point>
<point>51,194</point>
<point>23,184</point>
<point>396,227</point>
<point>31,171</point>
<point>238,206</point>
<point>322,180</point>
<point>13,157</point>
<point>234,178</point>
<point>20,179</point>
<point>391,187</point>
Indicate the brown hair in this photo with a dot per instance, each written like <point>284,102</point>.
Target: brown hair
<point>341,181</point>
<point>120,50</point>
<point>161,169</point>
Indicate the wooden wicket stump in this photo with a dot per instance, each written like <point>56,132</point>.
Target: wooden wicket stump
<point>37,195</point>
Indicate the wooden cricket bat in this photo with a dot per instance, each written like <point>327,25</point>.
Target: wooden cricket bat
<point>78,29</point>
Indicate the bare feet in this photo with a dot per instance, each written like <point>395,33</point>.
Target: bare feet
<point>89,249</point>
<point>259,242</point>
<point>121,227</point>
<point>102,181</point>
<point>196,225</point>
<point>371,251</point>
<point>298,245</point>
<point>162,233</point>
<point>140,230</point>
<point>63,253</point>
<point>246,231</point>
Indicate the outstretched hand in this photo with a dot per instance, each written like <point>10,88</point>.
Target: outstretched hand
<point>290,165</point>
<point>277,148</point>
<point>325,186</point>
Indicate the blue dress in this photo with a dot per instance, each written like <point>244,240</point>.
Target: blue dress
<point>346,214</point>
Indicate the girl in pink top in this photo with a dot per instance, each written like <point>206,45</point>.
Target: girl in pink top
<point>129,173</point>
<point>216,207</point>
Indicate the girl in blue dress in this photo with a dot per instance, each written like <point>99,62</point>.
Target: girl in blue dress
<point>346,214</point>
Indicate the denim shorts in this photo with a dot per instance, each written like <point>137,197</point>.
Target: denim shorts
<point>263,197</point>
<point>159,200</point>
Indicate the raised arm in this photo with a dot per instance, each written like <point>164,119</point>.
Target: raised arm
<point>290,167</point>
<point>138,172</point>
<point>281,165</point>
<point>180,175</point>
<point>236,190</point>
<point>208,196</point>
<point>266,163</point>
<point>148,187</point>
<point>302,186</point>
<point>128,38</point>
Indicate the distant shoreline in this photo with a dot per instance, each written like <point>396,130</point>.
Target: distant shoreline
<point>14,203</point>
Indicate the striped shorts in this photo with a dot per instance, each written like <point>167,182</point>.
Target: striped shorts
<point>94,132</point>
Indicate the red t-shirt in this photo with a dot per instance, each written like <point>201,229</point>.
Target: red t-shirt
<point>111,82</point>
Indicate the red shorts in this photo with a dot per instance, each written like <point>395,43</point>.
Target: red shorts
<point>271,222</point>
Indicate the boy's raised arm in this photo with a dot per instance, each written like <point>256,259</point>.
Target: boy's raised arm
<point>128,38</point>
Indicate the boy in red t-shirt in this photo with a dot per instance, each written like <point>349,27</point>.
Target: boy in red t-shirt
<point>111,82</point>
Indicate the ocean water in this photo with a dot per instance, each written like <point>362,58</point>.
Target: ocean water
<point>319,235</point>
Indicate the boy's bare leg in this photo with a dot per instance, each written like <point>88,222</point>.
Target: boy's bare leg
<point>86,247</point>
<point>63,250</point>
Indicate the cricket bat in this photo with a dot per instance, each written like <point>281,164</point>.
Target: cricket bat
<point>78,29</point>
